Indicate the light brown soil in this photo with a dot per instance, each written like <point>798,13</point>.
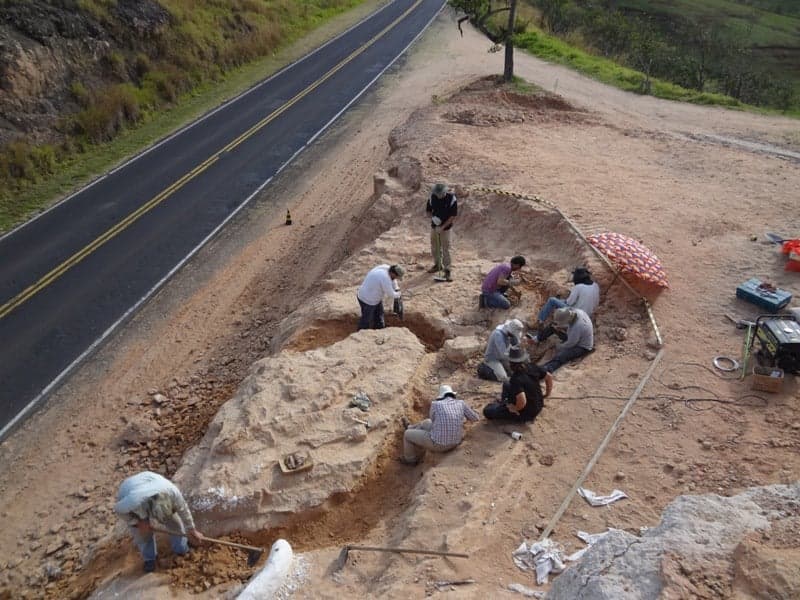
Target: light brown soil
<point>610,161</point>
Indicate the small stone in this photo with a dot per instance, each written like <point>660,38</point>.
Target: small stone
<point>796,425</point>
<point>707,445</point>
<point>619,476</point>
<point>547,460</point>
<point>159,398</point>
<point>52,571</point>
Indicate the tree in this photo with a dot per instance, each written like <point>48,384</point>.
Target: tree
<point>508,68</point>
<point>479,13</point>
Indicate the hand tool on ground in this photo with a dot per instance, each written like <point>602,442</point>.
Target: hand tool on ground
<point>748,342</point>
<point>253,553</point>
<point>357,420</point>
<point>776,238</point>
<point>341,560</point>
<point>740,323</point>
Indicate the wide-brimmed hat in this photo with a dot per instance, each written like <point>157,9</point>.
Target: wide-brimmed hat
<point>517,355</point>
<point>439,190</point>
<point>444,391</point>
<point>563,316</point>
<point>514,327</point>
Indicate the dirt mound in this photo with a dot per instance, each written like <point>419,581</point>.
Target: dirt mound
<point>489,102</point>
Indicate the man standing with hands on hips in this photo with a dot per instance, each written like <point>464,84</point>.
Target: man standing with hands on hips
<point>443,208</point>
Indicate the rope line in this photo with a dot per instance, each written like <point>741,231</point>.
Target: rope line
<point>539,200</point>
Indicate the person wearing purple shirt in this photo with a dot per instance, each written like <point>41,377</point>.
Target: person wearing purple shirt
<point>498,281</point>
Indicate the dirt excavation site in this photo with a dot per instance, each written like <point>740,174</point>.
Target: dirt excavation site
<point>252,353</point>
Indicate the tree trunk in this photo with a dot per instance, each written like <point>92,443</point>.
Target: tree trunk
<point>508,71</point>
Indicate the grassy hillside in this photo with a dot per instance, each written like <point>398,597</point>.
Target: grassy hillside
<point>119,75</point>
<point>734,52</point>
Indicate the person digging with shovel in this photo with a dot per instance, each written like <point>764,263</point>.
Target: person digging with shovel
<point>146,498</point>
<point>443,209</point>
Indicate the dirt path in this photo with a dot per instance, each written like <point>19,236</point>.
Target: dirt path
<point>660,171</point>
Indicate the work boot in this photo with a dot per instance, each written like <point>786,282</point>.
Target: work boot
<point>149,566</point>
<point>434,269</point>
<point>447,275</point>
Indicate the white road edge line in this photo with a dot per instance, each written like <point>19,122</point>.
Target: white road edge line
<point>129,313</point>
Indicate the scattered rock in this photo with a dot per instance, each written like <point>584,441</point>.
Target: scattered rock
<point>619,476</point>
<point>547,460</point>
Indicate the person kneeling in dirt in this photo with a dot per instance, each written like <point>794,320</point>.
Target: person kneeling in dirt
<point>442,432</point>
<point>148,497</point>
<point>497,282</point>
<point>574,327</point>
<point>380,283</point>
<point>585,295</point>
<point>522,399</point>
<point>495,360</point>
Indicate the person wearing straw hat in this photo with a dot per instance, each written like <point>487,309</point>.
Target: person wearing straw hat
<point>442,206</point>
<point>522,399</point>
<point>380,283</point>
<point>495,365</point>
<point>442,432</point>
<point>147,498</point>
<point>579,340</point>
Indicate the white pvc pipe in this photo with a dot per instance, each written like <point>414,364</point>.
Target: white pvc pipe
<point>270,579</point>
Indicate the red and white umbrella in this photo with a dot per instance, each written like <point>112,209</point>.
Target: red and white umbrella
<point>630,256</point>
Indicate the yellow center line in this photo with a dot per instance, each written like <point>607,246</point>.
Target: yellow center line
<point>112,232</point>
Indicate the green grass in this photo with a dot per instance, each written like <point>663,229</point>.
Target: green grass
<point>768,28</point>
<point>555,50</point>
<point>84,160</point>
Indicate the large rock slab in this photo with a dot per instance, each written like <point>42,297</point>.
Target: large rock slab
<point>299,402</point>
<point>705,547</point>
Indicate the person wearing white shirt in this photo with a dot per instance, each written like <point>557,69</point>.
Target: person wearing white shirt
<point>380,283</point>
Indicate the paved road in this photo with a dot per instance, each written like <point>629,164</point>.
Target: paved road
<point>69,277</point>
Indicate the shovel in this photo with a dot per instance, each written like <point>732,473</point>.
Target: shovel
<point>253,553</point>
<point>440,276</point>
<point>341,560</point>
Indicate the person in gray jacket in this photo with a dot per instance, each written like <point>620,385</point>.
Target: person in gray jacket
<point>495,365</point>
<point>146,498</point>
<point>579,340</point>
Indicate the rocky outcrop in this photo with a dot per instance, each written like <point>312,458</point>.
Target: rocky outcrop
<point>46,47</point>
<point>705,547</point>
<point>299,403</point>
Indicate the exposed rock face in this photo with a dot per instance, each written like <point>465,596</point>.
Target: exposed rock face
<point>705,547</point>
<point>44,48</point>
<point>299,402</point>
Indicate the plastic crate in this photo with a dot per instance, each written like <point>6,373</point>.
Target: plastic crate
<point>767,379</point>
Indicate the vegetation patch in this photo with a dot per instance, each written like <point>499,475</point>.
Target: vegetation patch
<point>157,60</point>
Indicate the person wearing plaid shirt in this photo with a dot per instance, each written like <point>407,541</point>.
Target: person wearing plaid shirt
<point>442,432</point>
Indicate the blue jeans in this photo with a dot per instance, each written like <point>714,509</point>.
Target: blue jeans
<point>496,300</point>
<point>371,316</point>
<point>563,357</point>
<point>549,306</point>
<point>147,544</point>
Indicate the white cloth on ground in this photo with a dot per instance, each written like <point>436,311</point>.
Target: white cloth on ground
<point>598,500</point>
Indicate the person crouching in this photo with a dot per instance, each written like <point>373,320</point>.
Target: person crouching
<point>442,432</point>
<point>521,399</point>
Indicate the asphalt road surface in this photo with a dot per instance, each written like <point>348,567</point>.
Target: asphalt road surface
<point>71,276</point>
